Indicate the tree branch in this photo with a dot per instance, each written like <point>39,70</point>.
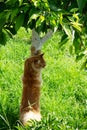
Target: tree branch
<point>46,37</point>
<point>38,42</point>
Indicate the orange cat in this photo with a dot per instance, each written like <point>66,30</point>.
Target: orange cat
<point>30,106</point>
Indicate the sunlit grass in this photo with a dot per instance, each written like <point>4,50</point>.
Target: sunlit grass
<point>63,92</point>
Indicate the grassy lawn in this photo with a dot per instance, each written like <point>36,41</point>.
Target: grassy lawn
<point>63,92</point>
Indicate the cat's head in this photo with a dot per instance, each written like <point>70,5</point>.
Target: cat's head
<point>38,62</point>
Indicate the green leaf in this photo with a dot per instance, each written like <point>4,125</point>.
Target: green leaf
<point>79,57</point>
<point>25,7</point>
<point>53,22</point>
<point>53,5</point>
<point>19,21</point>
<point>34,16</point>
<point>2,22</point>
<point>42,28</point>
<point>2,37</point>
<point>14,13</point>
<point>20,2</point>
<point>7,14</point>
<point>11,3</point>
<point>2,6</point>
<point>32,24</point>
<point>67,30</point>
<point>42,18</point>
<point>77,26</point>
<point>38,23</point>
<point>77,43</point>
<point>64,40</point>
<point>81,4</point>
<point>84,65</point>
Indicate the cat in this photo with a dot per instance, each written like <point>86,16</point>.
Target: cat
<point>30,104</point>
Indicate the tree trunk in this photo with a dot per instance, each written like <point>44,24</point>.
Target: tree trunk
<point>38,42</point>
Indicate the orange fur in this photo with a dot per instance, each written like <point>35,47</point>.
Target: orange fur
<point>30,106</point>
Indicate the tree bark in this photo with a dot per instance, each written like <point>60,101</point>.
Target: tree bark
<point>38,42</point>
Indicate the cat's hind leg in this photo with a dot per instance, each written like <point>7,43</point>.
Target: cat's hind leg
<point>31,115</point>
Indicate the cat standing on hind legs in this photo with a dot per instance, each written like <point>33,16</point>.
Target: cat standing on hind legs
<point>30,104</point>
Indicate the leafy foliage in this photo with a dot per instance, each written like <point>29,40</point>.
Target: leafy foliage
<point>68,17</point>
<point>40,14</point>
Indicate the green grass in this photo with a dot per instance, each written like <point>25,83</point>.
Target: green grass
<point>63,92</point>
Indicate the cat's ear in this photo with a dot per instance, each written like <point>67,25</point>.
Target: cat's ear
<point>42,54</point>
